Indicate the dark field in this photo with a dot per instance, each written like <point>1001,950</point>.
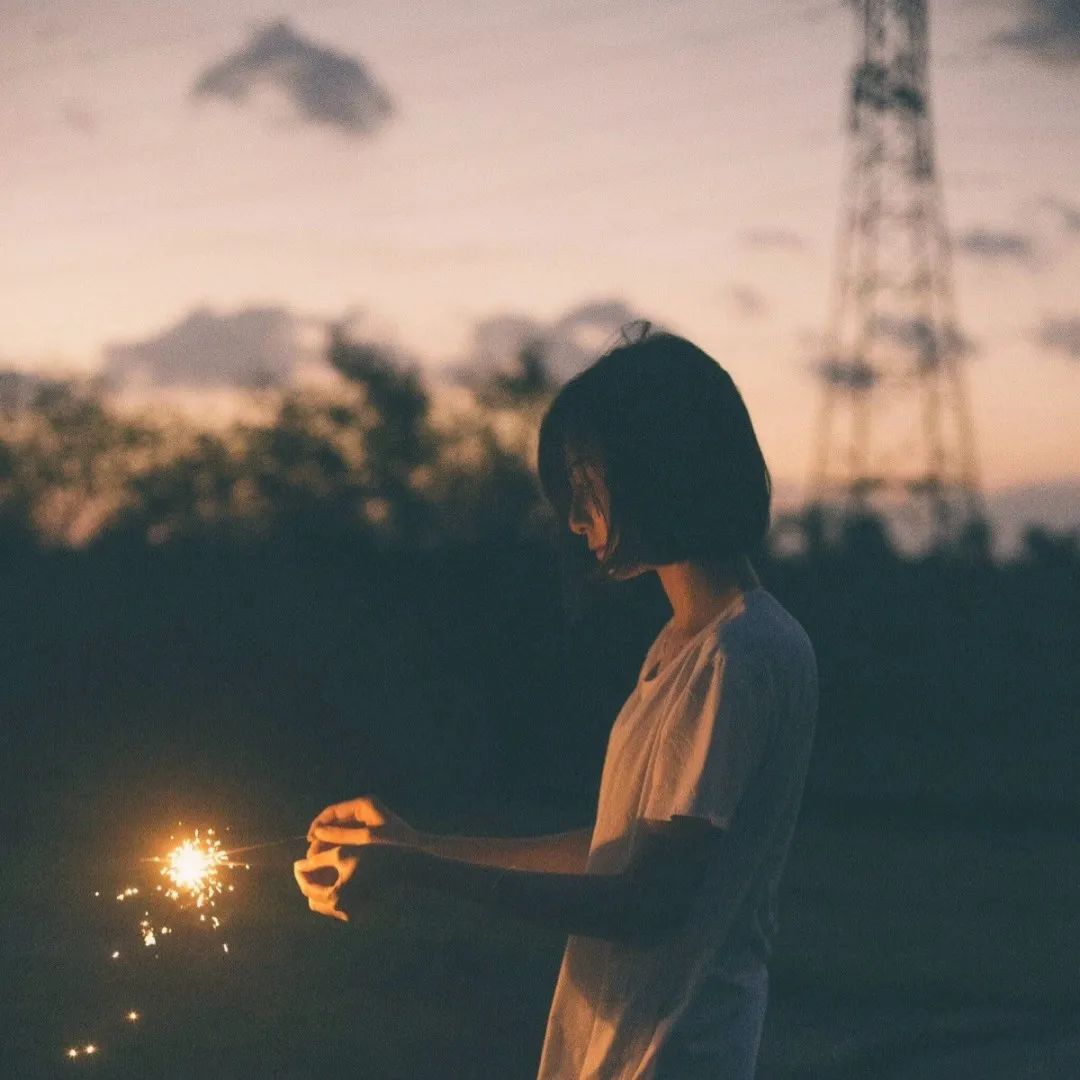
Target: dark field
<point>931,915</point>
<point>896,948</point>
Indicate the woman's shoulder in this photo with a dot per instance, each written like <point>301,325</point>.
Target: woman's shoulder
<point>763,634</point>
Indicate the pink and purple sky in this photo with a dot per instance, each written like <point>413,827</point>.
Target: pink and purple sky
<point>179,174</point>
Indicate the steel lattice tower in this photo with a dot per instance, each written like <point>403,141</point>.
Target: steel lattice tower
<point>894,435</point>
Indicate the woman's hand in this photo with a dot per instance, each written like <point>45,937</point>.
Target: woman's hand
<point>321,877</point>
<point>358,822</point>
<point>332,880</point>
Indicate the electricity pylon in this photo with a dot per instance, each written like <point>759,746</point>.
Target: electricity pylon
<point>894,435</point>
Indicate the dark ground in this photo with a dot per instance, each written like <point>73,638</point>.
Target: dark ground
<point>901,953</point>
<point>931,914</point>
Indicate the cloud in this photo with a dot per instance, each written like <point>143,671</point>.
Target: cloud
<point>1053,504</point>
<point>917,335</point>
<point>569,343</point>
<point>850,374</point>
<point>1060,334</point>
<point>747,301</point>
<point>325,86</point>
<point>984,243</point>
<point>911,338</point>
<point>777,239</point>
<point>254,347</point>
<point>1048,31</point>
<point>1067,213</point>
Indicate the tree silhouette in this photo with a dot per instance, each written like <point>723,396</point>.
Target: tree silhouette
<point>66,462</point>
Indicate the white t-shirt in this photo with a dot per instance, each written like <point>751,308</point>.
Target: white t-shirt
<point>723,731</point>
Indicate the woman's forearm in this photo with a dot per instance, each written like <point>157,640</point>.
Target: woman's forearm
<point>557,853</point>
<point>597,905</point>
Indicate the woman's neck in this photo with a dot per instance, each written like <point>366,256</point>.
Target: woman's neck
<point>698,593</point>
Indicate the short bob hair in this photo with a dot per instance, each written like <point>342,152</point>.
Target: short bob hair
<point>668,430</point>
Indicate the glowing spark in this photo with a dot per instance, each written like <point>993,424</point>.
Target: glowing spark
<point>89,1048</point>
<point>132,1016</point>
<point>225,946</point>
<point>194,869</point>
<point>73,1053</point>
<point>116,955</point>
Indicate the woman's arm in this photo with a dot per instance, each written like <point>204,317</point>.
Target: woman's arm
<point>597,905</point>
<point>652,895</point>
<point>367,819</point>
<point>556,853</point>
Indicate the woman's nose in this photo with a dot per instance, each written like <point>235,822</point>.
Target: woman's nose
<point>579,520</point>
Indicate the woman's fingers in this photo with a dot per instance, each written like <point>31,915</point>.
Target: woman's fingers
<point>318,874</point>
<point>323,907</point>
<point>366,810</point>
<point>299,872</point>
<point>337,834</point>
<point>320,859</point>
<point>320,878</point>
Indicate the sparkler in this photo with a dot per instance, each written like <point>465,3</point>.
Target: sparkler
<point>195,875</point>
<point>194,869</point>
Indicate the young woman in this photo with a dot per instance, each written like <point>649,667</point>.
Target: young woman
<point>670,899</point>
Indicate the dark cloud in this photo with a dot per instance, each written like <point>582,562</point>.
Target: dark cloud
<point>747,301</point>
<point>569,343</point>
<point>1067,213</point>
<point>254,347</point>
<point>780,239</point>
<point>917,335</point>
<point>325,86</point>
<point>850,374</point>
<point>984,243</point>
<point>1061,334</point>
<point>1048,30</point>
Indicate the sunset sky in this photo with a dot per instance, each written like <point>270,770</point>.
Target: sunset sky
<point>449,168</point>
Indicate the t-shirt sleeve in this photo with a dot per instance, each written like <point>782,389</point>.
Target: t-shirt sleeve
<point>712,742</point>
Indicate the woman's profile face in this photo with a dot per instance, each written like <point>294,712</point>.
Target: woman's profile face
<point>590,510</point>
<point>589,502</point>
